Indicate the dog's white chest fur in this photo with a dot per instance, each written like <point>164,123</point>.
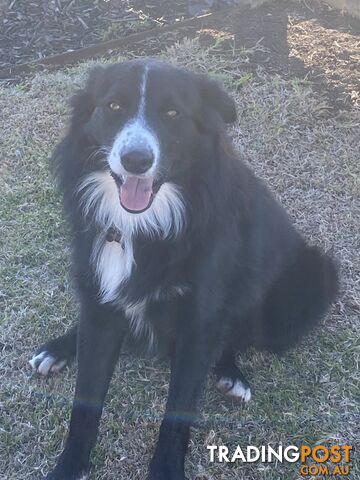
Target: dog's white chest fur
<point>114,262</point>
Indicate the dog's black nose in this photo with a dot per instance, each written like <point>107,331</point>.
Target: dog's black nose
<point>137,161</point>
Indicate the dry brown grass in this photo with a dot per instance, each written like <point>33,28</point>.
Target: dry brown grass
<point>310,160</point>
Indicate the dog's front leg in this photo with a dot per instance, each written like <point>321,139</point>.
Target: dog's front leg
<point>196,349</point>
<point>99,341</point>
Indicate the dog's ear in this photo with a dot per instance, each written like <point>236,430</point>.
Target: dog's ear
<point>83,101</point>
<point>217,98</point>
<point>95,77</point>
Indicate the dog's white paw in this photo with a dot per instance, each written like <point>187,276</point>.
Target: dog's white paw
<point>44,363</point>
<point>234,389</point>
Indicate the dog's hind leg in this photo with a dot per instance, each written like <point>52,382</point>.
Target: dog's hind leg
<point>298,299</point>
<point>230,380</point>
<point>55,353</point>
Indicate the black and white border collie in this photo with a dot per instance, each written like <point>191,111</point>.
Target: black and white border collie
<point>177,244</point>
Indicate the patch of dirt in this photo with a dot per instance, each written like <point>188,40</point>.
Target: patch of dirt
<point>330,55</point>
<point>315,42</point>
<point>308,40</point>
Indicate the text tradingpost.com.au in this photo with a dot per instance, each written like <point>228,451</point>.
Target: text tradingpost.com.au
<point>314,461</point>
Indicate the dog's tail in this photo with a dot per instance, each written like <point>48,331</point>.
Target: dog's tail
<point>299,298</point>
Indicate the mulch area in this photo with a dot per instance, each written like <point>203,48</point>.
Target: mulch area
<point>32,30</point>
<point>314,42</point>
<point>292,39</point>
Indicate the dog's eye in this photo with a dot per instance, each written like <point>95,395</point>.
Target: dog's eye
<point>172,113</point>
<point>115,107</point>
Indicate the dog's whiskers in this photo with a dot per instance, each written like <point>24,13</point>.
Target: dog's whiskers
<point>99,154</point>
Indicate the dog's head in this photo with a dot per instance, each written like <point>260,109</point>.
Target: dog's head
<point>151,118</point>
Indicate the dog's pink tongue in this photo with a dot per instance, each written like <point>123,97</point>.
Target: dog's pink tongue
<point>135,193</point>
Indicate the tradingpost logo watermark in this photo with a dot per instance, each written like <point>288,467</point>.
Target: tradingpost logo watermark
<point>315,461</point>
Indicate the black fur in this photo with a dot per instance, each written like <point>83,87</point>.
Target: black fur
<point>250,278</point>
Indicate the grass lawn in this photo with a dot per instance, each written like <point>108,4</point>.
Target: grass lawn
<point>310,159</point>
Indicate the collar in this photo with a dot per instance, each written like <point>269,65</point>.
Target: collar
<point>113,235</point>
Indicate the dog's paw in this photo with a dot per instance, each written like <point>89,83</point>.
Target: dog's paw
<point>166,467</point>
<point>165,476</point>
<point>44,363</point>
<point>55,476</point>
<point>69,471</point>
<point>234,389</point>
<point>72,465</point>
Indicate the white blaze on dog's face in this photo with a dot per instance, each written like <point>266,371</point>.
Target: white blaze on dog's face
<point>134,156</point>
